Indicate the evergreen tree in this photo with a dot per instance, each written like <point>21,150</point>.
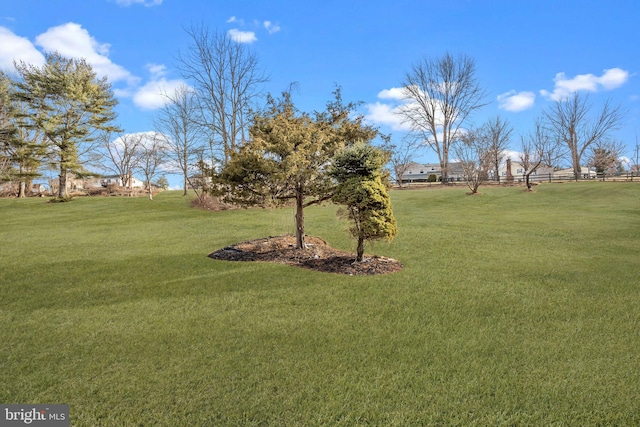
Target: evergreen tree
<point>358,171</point>
<point>288,155</point>
<point>21,148</point>
<point>68,104</point>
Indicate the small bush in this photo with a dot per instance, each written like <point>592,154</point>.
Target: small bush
<point>432,178</point>
<point>211,203</point>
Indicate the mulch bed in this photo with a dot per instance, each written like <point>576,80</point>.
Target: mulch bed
<point>317,255</point>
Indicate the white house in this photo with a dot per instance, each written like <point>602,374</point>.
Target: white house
<point>518,171</point>
<point>568,173</point>
<point>420,172</point>
<point>106,181</point>
<point>542,173</point>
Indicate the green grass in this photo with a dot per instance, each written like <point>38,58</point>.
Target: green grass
<point>512,309</point>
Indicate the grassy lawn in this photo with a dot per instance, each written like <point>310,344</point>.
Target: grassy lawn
<point>512,309</point>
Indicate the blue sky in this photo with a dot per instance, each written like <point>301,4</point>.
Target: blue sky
<point>527,52</point>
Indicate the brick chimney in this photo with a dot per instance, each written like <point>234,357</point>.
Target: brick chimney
<point>509,174</point>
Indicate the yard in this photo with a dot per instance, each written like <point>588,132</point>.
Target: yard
<point>512,308</point>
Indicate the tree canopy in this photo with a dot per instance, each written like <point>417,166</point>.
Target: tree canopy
<point>68,104</point>
<point>358,171</point>
<point>441,93</point>
<point>570,121</point>
<point>288,154</point>
<point>21,149</point>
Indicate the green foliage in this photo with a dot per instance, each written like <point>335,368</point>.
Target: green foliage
<point>23,150</point>
<point>358,171</point>
<point>432,178</point>
<point>287,156</point>
<point>368,206</point>
<point>67,103</point>
<point>359,160</point>
<point>163,182</point>
<point>288,151</point>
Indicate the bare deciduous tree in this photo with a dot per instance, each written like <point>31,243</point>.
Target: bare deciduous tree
<point>539,148</point>
<point>473,152</point>
<point>400,157</point>
<point>152,154</point>
<point>177,120</point>
<point>497,133</point>
<point>441,94</point>
<point>123,153</point>
<point>570,120</point>
<point>226,78</point>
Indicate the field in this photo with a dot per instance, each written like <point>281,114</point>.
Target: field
<point>513,308</point>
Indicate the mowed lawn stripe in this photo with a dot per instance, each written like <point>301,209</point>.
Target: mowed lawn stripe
<point>512,309</point>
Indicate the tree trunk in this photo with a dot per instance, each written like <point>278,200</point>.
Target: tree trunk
<point>186,188</point>
<point>576,170</point>
<point>360,250</point>
<point>444,173</point>
<point>22,187</point>
<point>575,158</point>
<point>62,181</point>
<point>300,218</point>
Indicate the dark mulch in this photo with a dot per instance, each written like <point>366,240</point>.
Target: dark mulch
<point>318,255</point>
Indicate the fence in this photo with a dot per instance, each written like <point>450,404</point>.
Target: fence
<point>547,177</point>
<point>554,177</point>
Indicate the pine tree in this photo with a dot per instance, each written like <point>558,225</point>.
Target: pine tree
<point>68,104</point>
<point>21,148</point>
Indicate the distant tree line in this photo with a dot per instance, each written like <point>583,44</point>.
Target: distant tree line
<point>442,94</point>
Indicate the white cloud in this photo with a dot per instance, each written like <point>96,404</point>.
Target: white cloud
<point>516,101</point>
<point>613,78</point>
<point>147,3</point>
<point>397,106</point>
<point>396,93</point>
<point>242,36</point>
<point>153,95</point>
<point>271,27</point>
<point>71,40</point>
<point>157,70</point>
<point>510,154</point>
<point>16,48</point>
<point>564,87</point>
<point>386,114</point>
